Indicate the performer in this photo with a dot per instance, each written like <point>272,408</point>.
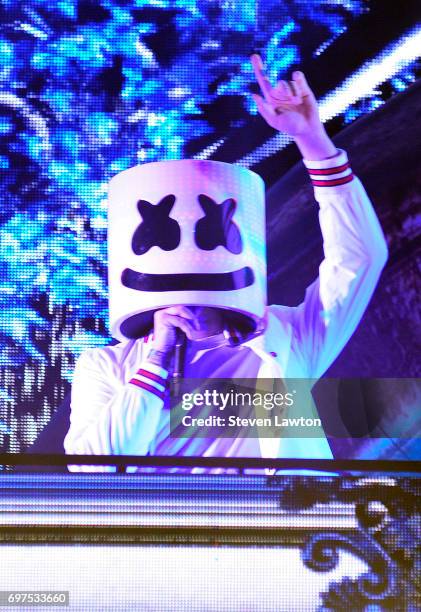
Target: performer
<point>187,252</point>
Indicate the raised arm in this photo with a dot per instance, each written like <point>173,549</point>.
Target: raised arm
<point>355,250</point>
<point>355,253</point>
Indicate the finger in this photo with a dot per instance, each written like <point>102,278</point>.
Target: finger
<point>264,83</point>
<point>180,310</point>
<point>183,311</point>
<point>171,320</point>
<point>285,94</point>
<point>265,109</point>
<point>190,315</point>
<point>301,86</point>
<point>282,89</point>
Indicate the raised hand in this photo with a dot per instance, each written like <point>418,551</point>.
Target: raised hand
<point>292,109</point>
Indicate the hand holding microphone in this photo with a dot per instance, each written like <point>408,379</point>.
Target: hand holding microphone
<point>166,323</point>
<point>172,326</point>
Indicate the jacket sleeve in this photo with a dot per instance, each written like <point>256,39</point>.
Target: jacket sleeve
<point>110,418</point>
<point>355,253</point>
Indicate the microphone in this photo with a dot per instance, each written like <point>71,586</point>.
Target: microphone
<point>178,362</point>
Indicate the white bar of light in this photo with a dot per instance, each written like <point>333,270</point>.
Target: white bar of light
<point>359,85</point>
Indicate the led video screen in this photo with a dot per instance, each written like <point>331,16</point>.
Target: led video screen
<point>91,88</point>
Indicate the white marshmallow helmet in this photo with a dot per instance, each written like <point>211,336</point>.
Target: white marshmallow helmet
<point>188,232</point>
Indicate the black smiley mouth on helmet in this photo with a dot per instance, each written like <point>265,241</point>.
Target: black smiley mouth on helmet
<point>220,281</point>
<point>214,229</point>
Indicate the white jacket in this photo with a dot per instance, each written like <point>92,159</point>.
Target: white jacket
<point>117,396</point>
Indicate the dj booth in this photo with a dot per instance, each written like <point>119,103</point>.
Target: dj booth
<point>207,535</point>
